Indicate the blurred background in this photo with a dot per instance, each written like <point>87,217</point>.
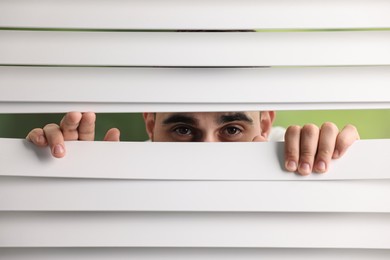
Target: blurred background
<point>372,124</point>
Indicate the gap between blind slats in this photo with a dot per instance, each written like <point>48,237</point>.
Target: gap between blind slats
<point>131,160</point>
<point>53,194</point>
<point>195,49</point>
<point>191,253</point>
<point>260,230</point>
<point>35,89</point>
<point>212,14</point>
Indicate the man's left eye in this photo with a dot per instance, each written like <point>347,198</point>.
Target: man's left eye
<point>232,130</point>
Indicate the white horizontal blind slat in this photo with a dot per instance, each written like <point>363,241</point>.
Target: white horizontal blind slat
<point>195,49</point>
<point>132,229</point>
<point>212,14</point>
<point>191,254</point>
<point>25,89</point>
<point>59,194</point>
<point>21,158</point>
<point>192,229</point>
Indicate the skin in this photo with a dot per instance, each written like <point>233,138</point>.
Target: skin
<point>307,149</point>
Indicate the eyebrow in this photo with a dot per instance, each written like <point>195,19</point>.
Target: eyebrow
<point>180,118</point>
<point>234,117</point>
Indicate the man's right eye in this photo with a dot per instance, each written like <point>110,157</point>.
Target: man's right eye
<point>182,130</point>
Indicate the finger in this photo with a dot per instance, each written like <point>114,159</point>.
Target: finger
<point>259,138</point>
<point>291,148</point>
<point>37,137</point>
<point>344,140</point>
<point>86,128</point>
<point>326,146</point>
<point>308,148</point>
<point>112,135</point>
<point>69,125</point>
<point>55,140</point>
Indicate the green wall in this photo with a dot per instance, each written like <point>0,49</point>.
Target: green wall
<point>372,124</point>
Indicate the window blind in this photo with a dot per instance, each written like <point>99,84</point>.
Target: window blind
<point>102,202</point>
<point>319,48</point>
<point>192,253</point>
<point>213,14</point>
<point>150,89</point>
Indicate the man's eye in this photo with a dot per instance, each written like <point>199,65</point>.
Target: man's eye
<point>232,130</point>
<point>183,131</point>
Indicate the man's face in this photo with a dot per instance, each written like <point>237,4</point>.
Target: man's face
<point>204,127</point>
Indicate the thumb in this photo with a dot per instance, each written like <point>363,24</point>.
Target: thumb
<point>344,140</point>
<point>259,138</point>
<point>112,135</point>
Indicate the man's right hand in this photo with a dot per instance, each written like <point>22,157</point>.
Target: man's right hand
<point>73,126</point>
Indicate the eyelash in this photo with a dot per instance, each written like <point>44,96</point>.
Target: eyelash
<point>177,128</point>
<point>225,129</point>
<point>191,133</point>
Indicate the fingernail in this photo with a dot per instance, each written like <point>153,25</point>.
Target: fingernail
<point>321,166</point>
<point>305,168</point>
<point>291,166</point>
<point>336,154</point>
<point>58,149</point>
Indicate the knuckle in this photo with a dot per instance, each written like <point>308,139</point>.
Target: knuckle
<point>307,154</point>
<point>84,134</point>
<point>291,153</point>
<point>292,132</point>
<point>290,158</point>
<point>353,129</point>
<point>310,129</point>
<point>294,128</point>
<point>36,131</point>
<point>71,118</point>
<point>50,126</point>
<point>325,153</point>
<point>37,137</point>
<point>89,117</point>
<point>329,125</point>
<point>31,135</point>
<point>341,143</point>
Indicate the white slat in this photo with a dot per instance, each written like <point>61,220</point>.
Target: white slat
<point>212,14</point>
<point>264,222</point>
<point>195,49</point>
<point>35,89</point>
<point>269,230</point>
<point>190,254</point>
<point>59,194</point>
<point>249,161</point>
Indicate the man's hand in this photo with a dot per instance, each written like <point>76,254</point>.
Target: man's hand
<point>73,126</point>
<point>310,149</point>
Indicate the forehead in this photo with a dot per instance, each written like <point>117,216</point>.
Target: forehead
<point>218,117</point>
